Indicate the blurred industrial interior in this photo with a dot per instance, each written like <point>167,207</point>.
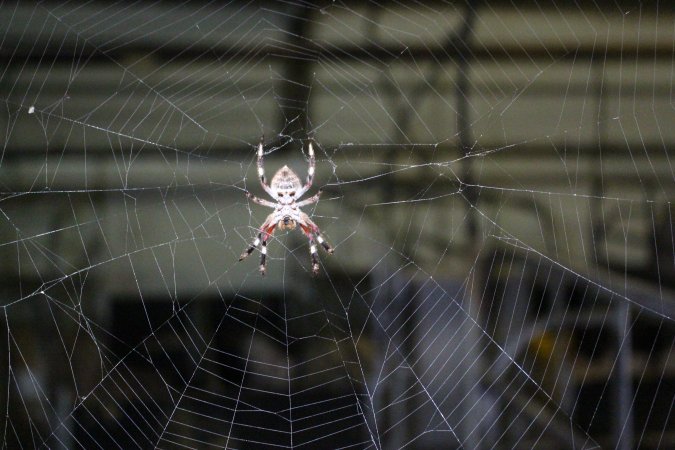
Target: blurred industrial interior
<point>513,157</point>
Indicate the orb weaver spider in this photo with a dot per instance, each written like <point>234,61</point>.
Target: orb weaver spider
<point>286,189</point>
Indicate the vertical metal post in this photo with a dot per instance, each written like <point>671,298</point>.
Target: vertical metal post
<point>623,381</point>
<point>623,425</point>
<point>295,89</point>
<point>471,430</point>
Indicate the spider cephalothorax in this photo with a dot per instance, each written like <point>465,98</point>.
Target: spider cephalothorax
<point>285,188</point>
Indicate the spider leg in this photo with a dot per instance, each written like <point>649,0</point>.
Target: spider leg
<point>314,254</point>
<point>263,250</point>
<point>319,236</point>
<point>264,232</point>
<point>310,172</point>
<point>261,169</point>
<point>260,201</point>
<point>309,201</point>
<point>311,167</point>
<point>306,229</point>
<point>250,248</point>
<point>326,246</point>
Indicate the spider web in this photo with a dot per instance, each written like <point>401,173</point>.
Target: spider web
<point>497,185</point>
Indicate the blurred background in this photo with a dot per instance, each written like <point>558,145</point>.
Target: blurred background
<point>497,183</point>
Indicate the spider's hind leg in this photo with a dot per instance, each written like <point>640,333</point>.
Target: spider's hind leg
<point>261,170</point>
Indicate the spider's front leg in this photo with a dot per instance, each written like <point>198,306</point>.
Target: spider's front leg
<point>326,246</point>
<point>266,230</point>
<point>307,230</point>
<point>314,229</point>
<point>314,254</point>
<point>250,248</point>
<point>310,229</point>
<point>263,249</point>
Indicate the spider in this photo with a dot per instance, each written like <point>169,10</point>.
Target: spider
<point>286,188</point>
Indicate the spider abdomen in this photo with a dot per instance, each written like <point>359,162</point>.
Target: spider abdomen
<point>285,179</point>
